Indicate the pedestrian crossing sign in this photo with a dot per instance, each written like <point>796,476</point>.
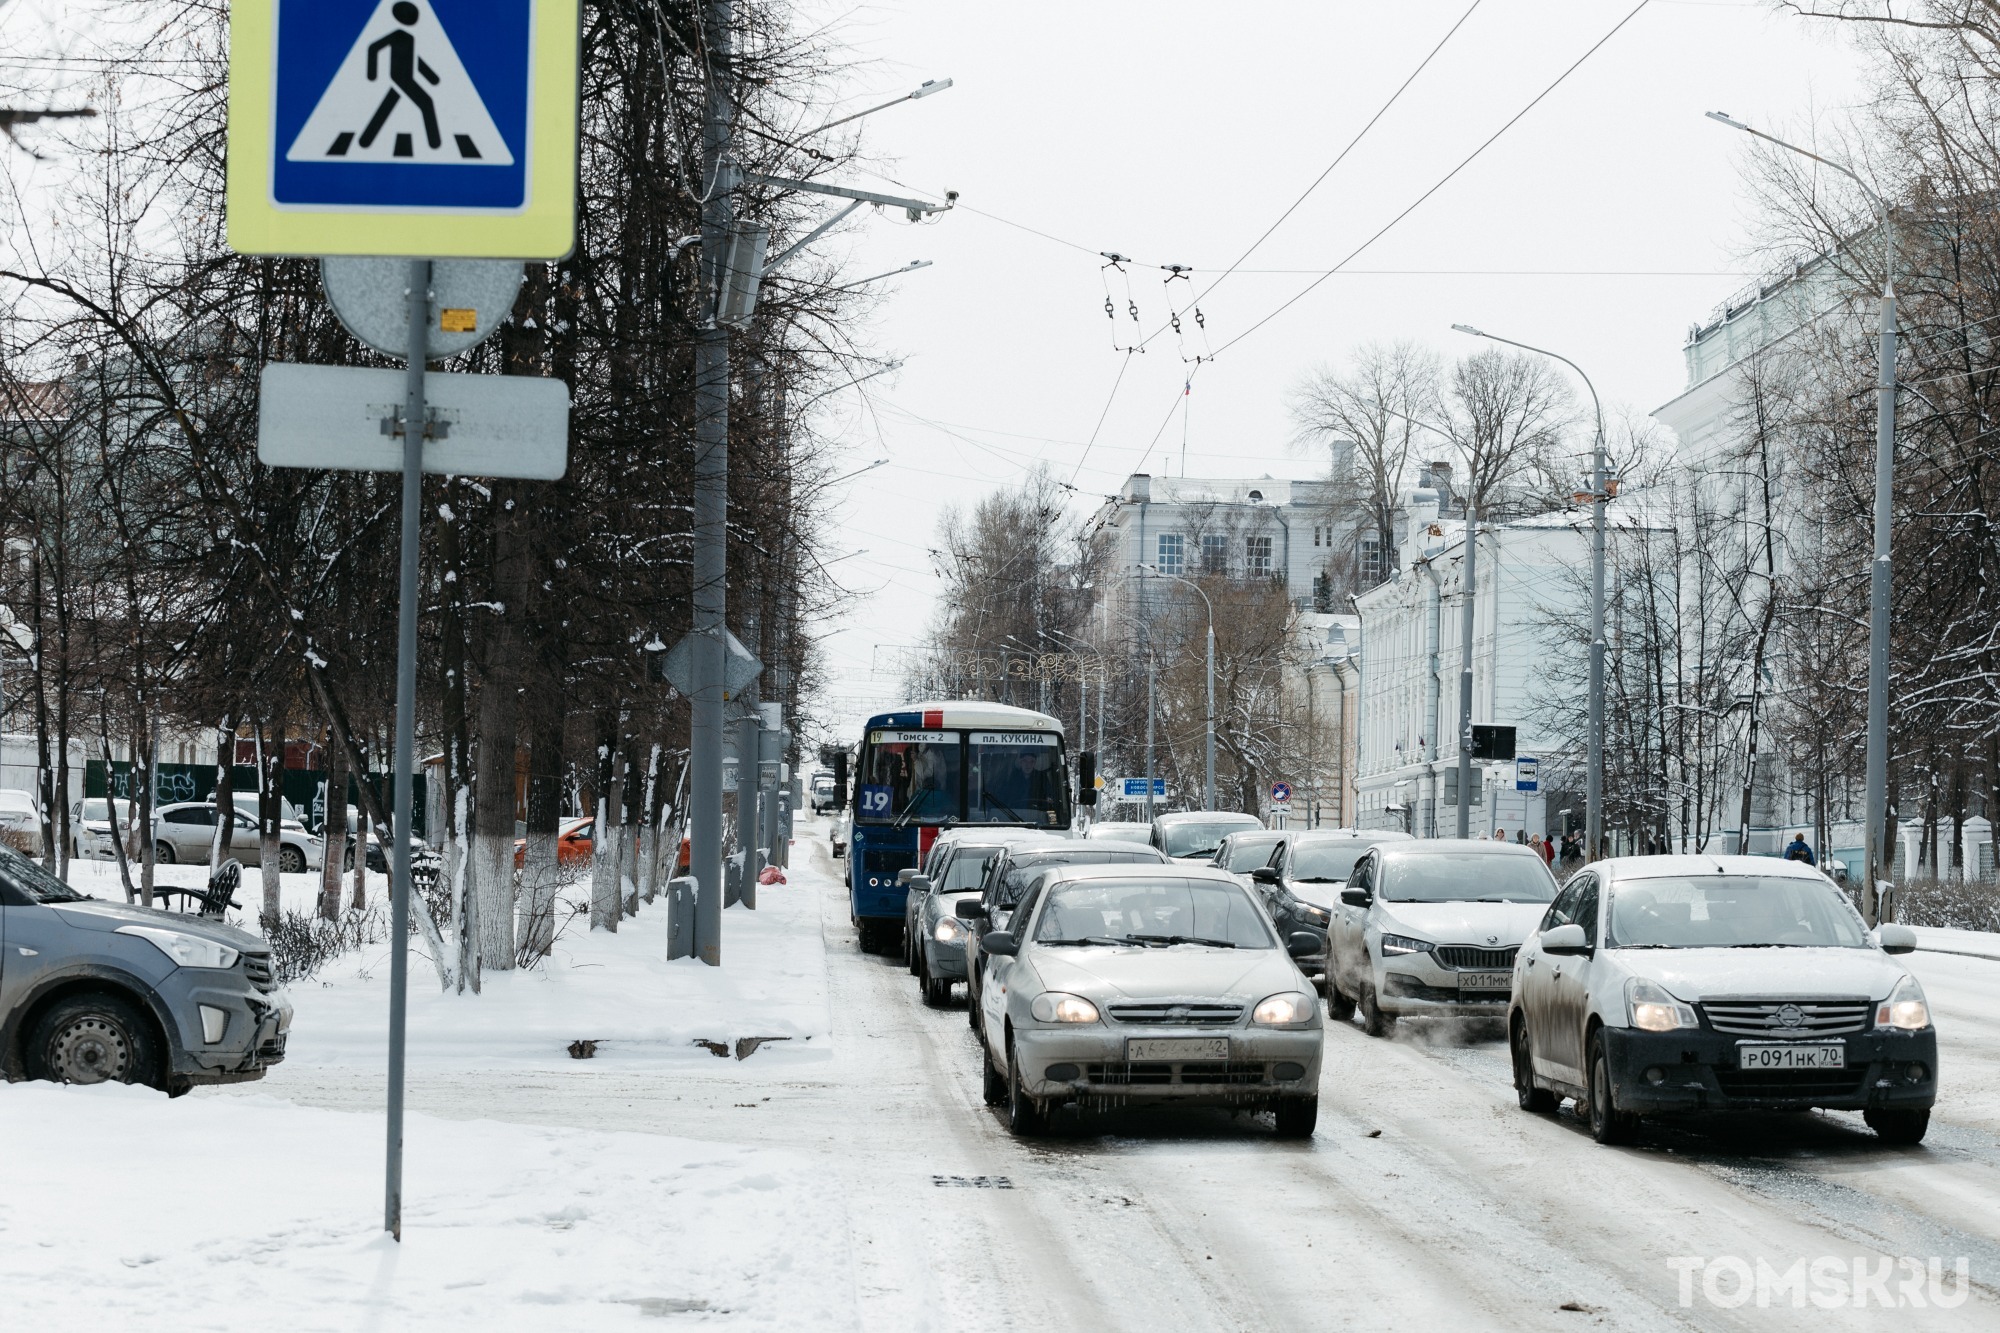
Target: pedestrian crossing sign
<point>427,128</point>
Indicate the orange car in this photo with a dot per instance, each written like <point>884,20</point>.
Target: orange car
<point>575,844</point>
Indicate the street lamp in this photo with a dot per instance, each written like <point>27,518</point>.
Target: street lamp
<point>850,476</point>
<point>1208,751</point>
<point>1146,635</point>
<point>1874,839</point>
<point>1598,494</point>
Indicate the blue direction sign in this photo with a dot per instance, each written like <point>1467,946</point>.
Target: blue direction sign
<point>1135,788</point>
<point>432,127</point>
<point>1527,773</point>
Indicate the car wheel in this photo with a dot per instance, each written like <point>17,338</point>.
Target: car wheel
<point>1608,1124</point>
<point>1026,1117</point>
<point>1338,1006</point>
<point>1899,1125</point>
<point>1373,1021</point>
<point>972,1010</point>
<point>913,953</point>
<point>1539,1100</point>
<point>937,991</point>
<point>865,930</point>
<point>163,853</point>
<point>291,861</point>
<point>94,1038</point>
<point>1297,1116</point>
<point>995,1087</point>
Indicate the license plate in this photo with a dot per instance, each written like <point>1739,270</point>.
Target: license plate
<point>1486,981</point>
<point>1792,1055</point>
<point>1177,1048</point>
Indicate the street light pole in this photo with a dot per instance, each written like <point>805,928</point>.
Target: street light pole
<point>1465,676</point>
<point>1600,480</point>
<point>1876,857</point>
<point>1208,744</point>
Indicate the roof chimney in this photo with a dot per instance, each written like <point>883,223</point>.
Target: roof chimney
<point>1139,488</point>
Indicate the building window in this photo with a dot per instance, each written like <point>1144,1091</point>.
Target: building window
<point>1214,553</point>
<point>1257,558</point>
<point>1370,558</point>
<point>1172,554</point>
<point>1315,534</point>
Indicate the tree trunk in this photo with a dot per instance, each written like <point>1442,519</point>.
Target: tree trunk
<point>143,770</point>
<point>225,793</point>
<point>497,751</point>
<point>604,855</point>
<point>333,830</point>
<point>270,818</point>
<point>539,871</point>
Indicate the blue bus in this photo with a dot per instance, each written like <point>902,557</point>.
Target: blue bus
<point>938,765</point>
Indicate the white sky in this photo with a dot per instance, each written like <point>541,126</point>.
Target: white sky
<point>1175,132</point>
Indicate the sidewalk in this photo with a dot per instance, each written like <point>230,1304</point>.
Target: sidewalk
<point>1967,943</point>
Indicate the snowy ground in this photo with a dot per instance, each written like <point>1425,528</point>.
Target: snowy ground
<point>856,1181</point>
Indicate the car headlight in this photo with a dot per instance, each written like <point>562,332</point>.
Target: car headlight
<point>1318,917</point>
<point>1393,944</point>
<point>1055,1007</point>
<point>1905,1008</point>
<point>1287,1009</point>
<point>949,930</point>
<point>185,950</point>
<point>1653,1009</point>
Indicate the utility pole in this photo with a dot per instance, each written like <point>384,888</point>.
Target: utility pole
<point>1149,728</point>
<point>1465,675</point>
<point>711,494</point>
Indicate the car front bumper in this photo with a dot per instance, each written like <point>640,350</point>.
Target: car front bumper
<point>1409,995</point>
<point>1699,1071</point>
<point>256,1027</point>
<point>944,958</point>
<point>1089,1063</point>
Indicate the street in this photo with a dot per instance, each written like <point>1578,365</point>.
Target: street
<point>1424,1195</point>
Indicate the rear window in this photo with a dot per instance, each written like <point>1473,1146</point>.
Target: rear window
<point>967,870</point>
<point>1200,837</point>
<point>1022,872</point>
<point>1326,862</point>
<point>1246,854</point>
<point>1466,877</point>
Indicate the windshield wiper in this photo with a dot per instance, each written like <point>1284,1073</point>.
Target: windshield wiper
<point>1184,939</point>
<point>1087,939</point>
<point>1770,946</point>
<point>1315,879</point>
<point>1209,850</point>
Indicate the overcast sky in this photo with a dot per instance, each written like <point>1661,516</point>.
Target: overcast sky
<point>1605,222</point>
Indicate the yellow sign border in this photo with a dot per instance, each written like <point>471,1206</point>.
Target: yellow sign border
<point>545,229</point>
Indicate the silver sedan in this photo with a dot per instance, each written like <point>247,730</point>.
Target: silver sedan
<point>1146,984</point>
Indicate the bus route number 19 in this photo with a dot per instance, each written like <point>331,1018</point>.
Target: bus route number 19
<point>874,800</point>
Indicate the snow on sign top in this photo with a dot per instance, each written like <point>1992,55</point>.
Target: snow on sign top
<point>427,128</point>
<point>401,95</point>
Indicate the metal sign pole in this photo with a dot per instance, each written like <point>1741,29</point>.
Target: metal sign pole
<point>406,728</point>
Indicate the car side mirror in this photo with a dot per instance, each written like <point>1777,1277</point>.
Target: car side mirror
<point>1565,940</point>
<point>970,909</point>
<point>1265,875</point>
<point>919,884</point>
<point>1356,897</point>
<point>1895,939</point>
<point>1000,942</point>
<point>1303,944</point>
<point>905,875</point>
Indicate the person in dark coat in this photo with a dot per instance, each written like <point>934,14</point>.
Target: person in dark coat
<point>1800,850</point>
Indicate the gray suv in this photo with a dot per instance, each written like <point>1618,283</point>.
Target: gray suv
<point>95,992</point>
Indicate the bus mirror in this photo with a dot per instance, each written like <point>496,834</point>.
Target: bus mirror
<point>840,780</point>
<point>1086,779</point>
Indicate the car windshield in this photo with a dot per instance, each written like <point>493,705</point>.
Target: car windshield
<point>1241,855</point>
<point>1199,837</point>
<point>1326,862</point>
<point>1465,877</point>
<point>967,869</point>
<point>1120,833</point>
<point>29,877</point>
<point>1015,777</point>
<point>1152,912</point>
<point>98,810</point>
<point>1732,912</point>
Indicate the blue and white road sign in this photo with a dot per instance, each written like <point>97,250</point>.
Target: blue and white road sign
<point>352,120</point>
<point>1281,792</point>
<point>1135,788</point>
<point>1527,773</point>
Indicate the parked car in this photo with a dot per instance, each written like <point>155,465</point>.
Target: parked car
<point>1194,835</point>
<point>1135,984</point>
<point>185,831</point>
<point>1245,850</point>
<point>1430,927</point>
<point>934,937</point>
<point>574,843</point>
<point>99,992</point>
<point>843,824</point>
<point>1118,830</point>
<point>90,827</point>
<point>21,820</point>
<point>1715,983</point>
<point>1010,876</point>
<point>823,797</point>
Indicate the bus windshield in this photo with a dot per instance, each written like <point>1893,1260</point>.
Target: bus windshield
<point>909,777</point>
<point>1015,777</point>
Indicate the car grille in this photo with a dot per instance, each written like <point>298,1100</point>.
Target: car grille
<point>1474,959</point>
<point>257,966</point>
<point>1177,1013</point>
<point>1186,1073</point>
<point>1791,1083</point>
<point>1765,1018</point>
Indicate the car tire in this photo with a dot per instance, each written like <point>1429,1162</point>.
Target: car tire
<point>95,1037</point>
<point>1608,1125</point>
<point>1338,1007</point>
<point>865,933</point>
<point>937,992</point>
<point>913,953</point>
<point>1373,1021</point>
<point>163,853</point>
<point>1026,1117</point>
<point>994,1088</point>
<point>972,1011</point>
<point>1899,1125</point>
<point>291,861</point>
<point>1535,1099</point>
<point>1297,1117</point>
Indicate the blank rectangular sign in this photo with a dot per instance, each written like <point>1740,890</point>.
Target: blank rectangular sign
<point>332,417</point>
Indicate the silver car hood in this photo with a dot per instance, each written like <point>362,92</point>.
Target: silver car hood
<point>95,914</point>
<point>1774,974</point>
<point>1182,971</point>
<point>1488,925</point>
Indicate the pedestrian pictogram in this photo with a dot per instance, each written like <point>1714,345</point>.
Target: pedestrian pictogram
<point>401,95</point>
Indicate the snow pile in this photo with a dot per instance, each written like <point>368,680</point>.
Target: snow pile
<point>121,1208</point>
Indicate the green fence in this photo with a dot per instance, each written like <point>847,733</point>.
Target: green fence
<point>196,782</point>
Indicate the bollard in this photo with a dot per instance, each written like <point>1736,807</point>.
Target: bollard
<point>732,878</point>
<point>680,917</point>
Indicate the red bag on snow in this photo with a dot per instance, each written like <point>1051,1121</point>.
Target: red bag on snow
<point>770,875</point>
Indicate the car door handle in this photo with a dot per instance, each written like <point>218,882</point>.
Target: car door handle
<point>1558,972</point>
<point>1531,962</point>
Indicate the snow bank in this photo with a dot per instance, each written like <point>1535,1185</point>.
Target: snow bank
<point>120,1208</point>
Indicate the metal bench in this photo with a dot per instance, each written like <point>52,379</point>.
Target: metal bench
<point>217,897</point>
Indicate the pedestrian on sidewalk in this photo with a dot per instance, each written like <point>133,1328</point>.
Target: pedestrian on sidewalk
<point>1801,850</point>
